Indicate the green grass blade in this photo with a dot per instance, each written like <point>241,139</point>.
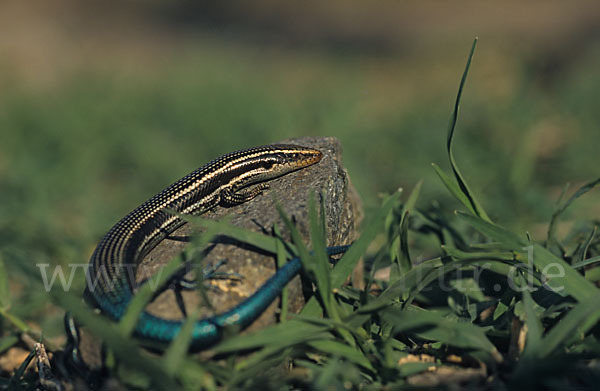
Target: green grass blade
<point>475,207</point>
<point>259,240</point>
<point>15,379</point>
<point>404,259</point>
<point>341,350</point>
<point>320,266</point>
<point>195,377</point>
<point>346,264</point>
<point>580,255</point>
<point>258,357</point>
<point>492,255</point>
<point>494,232</point>
<point>19,323</point>
<point>239,375</point>
<point>589,261</point>
<point>551,240</point>
<point>280,335</point>
<point>308,261</point>
<point>318,227</point>
<point>413,197</point>
<point>488,263</point>
<point>405,283</point>
<point>453,187</point>
<point>432,326</point>
<point>176,353</point>
<point>4,290</point>
<point>561,277</point>
<point>575,324</point>
<point>535,329</point>
<point>8,341</point>
<point>412,368</point>
<point>281,260</point>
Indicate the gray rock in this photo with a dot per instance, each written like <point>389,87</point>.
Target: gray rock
<point>292,191</point>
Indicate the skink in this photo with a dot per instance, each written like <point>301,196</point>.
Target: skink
<point>230,180</point>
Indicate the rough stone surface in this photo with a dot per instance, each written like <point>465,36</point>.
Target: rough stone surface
<point>292,191</point>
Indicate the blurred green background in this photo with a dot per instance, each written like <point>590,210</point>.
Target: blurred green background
<point>102,105</point>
